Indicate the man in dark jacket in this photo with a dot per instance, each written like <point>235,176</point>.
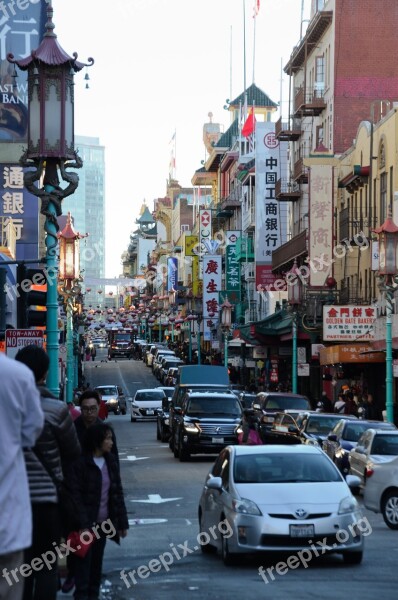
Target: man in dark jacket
<point>90,402</point>
<point>55,449</point>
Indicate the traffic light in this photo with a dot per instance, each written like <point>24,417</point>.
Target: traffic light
<point>32,298</point>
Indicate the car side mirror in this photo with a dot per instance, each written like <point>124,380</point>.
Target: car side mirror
<point>178,410</point>
<point>332,437</point>
<point>293,429</point>
<point>214,483</point>
<point>256,406</point>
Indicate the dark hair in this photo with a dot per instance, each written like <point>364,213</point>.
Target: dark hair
<point>36,359</point>
<point>95,435</point>
<point>90,394</point>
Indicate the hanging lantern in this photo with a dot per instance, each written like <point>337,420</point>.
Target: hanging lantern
<point>69,266</point>
<point>388,234</point>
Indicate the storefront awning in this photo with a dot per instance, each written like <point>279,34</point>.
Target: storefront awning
<point>350,353</point>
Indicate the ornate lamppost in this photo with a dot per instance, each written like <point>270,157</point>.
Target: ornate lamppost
<point>226,323</point>
<point>51,148</point>
<point>388,237</point>
<point>69,275</point>
<point>294,297</point>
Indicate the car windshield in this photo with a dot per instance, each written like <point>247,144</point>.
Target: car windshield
<point>150,395</point>
<point>353,431</point>
<point>284,468</point>
<point>123,337</point>
<point>285,402</point>
<point>321,425</point>
<point>213,406</point>
<point>107,391</point>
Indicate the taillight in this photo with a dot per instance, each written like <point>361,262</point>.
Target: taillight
<point>369,472</point>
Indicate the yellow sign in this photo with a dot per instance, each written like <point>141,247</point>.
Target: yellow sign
<point>191,245</point>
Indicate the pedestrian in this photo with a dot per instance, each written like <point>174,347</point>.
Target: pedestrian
<point>93,352</point>
<point>90,404</point>
<point>57,446</point>
<point>21,423</point>
<point>325,405</point>
<point>96,484</point>
<point>250,435</point>
<point>339,405</point>
<point>351,407</point>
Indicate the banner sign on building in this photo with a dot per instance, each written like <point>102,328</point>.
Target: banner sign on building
<point>22,207</point>
<point>348,323</point>
<point>320,239</point>
<point>172,273</point>
<point>232,266</point>
<point>271,215</point>
<point>22,26</point>
<point>212,282</point>
<point>204,228</point>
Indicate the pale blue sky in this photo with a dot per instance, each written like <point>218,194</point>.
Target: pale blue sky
<point>160,66</point>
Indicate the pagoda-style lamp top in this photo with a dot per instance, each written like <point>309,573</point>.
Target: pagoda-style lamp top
<point>50,96</point>
<point>388,237</point>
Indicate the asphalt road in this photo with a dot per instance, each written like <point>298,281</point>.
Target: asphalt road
<point>162,497</point>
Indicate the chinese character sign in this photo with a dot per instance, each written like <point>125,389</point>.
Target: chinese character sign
<point>271,220</point>
<point>321,223</point>
<point>353,323</point>
<point>22,207</point>
<point>211,288</point>
<point>232,266</point>
<point>21,29</point>
<point>204,228</point>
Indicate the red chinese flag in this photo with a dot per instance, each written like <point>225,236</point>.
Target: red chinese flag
<point>249,125</point>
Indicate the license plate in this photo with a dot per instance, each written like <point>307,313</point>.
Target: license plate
<point>150,412</point>
<point>301,531</point>
<point>217,440</point>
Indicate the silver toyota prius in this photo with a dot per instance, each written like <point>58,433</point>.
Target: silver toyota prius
<point>277,498</point>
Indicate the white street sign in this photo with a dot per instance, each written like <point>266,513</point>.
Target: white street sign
<point>16,339</point>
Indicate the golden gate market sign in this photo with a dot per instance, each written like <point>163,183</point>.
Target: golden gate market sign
<point>348,323</point>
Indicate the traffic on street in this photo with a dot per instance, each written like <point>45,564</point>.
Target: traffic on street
<point>163,555</point>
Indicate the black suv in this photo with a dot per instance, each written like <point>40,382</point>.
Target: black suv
<point>206,422</point>
<point>267,404</point>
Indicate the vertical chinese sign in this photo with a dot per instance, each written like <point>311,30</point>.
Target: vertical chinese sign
<point>22,207</point>
<point>271,215</point>
<point>172,273</point>
<point>232,267</point>
<point>321,224</point>
<point>211,288</point>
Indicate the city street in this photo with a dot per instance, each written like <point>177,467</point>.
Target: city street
<point>162,497</point>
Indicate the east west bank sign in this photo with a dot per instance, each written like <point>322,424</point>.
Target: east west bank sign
<point>348,323</point>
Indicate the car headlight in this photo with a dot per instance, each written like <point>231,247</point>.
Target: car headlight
<point>348,505</point>
<point>246,507</point>
<point>191,428</point>
<point>134,405</point>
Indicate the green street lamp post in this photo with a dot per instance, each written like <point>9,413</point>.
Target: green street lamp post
<point>50,149</point>
<point>388,237</point>
<point>226,324</point>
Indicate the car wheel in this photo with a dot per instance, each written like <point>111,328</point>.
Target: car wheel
<point>124,411</point>
<point>228,558</point>
<point>353,558</point>
<point>164,436</point>
<point>175,449</point>
<point>171,443</point>
<point>389,509</point>
<point>158,436</point>
<point>205,548</point>
<point>132,419</point>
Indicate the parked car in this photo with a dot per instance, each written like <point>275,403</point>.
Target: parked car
<point>171,377</point>
<point>167,363</point>
<point>163,416</point>
<point>381,491</point>
<point>146,404</point>
<point>205,422</point>
<point>279,499</point>
<point>267,404</point>
<point>344,437</point>
<point>110,395</point>
<point>315,426</point>
<point>374,446</point>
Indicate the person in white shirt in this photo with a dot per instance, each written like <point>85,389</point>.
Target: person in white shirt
<point>21,423</point>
